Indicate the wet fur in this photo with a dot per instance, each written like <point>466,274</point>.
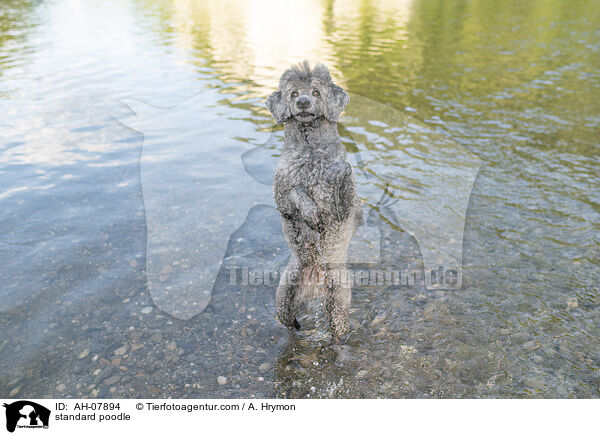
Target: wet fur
<point>315,193</point>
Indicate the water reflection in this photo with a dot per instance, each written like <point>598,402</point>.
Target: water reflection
<point>512,82</point>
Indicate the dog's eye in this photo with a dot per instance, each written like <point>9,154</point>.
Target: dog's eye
<point>316,93</point>
<point>294,94</point>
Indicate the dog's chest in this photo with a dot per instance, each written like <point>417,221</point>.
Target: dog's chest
<point>309,170</point>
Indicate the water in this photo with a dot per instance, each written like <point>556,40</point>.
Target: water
<point>514,84</point>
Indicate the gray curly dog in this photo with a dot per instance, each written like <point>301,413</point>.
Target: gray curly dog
<point>315,193</point>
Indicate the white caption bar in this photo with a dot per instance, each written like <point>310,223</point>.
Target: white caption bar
<point>264,416</point>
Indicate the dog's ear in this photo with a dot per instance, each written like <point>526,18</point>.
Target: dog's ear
<point>337,100</point>
<point>278,107</point>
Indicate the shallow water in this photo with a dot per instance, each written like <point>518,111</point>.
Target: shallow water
<point>515,84</point>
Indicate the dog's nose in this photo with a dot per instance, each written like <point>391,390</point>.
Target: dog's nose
<point>303,102</point>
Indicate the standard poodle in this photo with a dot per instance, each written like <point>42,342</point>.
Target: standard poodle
<point>315,193</point>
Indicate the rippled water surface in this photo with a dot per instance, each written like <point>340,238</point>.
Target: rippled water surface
<point>515,84</point>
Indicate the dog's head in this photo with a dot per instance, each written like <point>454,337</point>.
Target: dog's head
<point>306,94</point>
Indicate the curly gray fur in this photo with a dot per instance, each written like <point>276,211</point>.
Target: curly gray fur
<point>315,193</point>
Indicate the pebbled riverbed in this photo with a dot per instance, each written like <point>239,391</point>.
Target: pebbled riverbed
<point>515,85</point>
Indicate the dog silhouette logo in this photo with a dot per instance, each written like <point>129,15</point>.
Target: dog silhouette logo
<point>26,414</point>
<point>203,166</point>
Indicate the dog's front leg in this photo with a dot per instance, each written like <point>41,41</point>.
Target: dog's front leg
<point>339,175</point>
<point>305,206</point>
<point>347,197</point>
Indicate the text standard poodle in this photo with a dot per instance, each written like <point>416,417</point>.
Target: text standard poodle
<point>315,193</point>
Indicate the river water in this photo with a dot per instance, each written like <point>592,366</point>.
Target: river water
<point>512,86</point>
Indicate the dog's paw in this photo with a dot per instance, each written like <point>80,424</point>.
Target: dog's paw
<point>336,173</point>
<point>288,319</point>
<point>310,215</point>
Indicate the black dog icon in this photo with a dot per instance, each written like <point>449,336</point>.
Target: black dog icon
<point>29,411</point>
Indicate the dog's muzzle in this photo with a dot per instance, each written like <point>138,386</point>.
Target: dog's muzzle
<point>303,102</point>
